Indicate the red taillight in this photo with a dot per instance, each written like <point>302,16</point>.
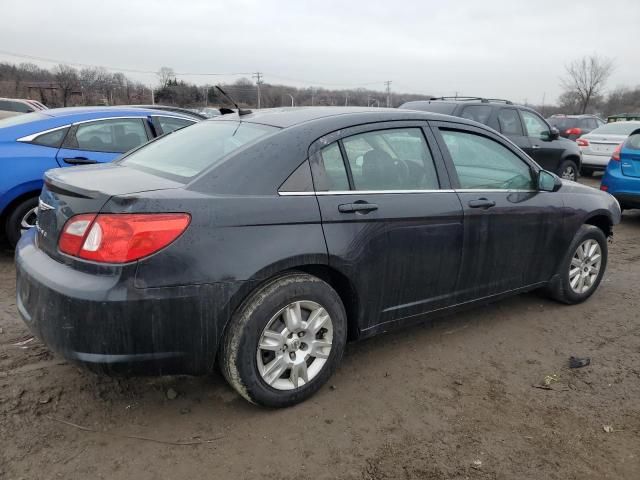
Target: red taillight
<point>582,142</point>
<point>603,187</point>
<point>616,153</point>
<point>120,237</point>
<point>573,131</point>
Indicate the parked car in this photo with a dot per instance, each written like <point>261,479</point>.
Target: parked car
<point>6,114</point>
<point>32,143</point>
<point>20,105</point>
<point>573,126</point>
<point>598,146</point>
<point>622,177</point>
<point>263,242</point>
<point>623,117</point>
<point>522,125</point>
<point>210,112</point>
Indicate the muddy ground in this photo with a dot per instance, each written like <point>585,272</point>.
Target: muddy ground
<point>450,400</point>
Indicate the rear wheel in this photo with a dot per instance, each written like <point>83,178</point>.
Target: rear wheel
<point>285,341</point>
<point>568,170</point>
<point>22,218</point>
<point>583,267</point>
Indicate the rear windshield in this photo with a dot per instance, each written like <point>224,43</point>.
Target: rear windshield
<point>20,119</point>
<point>633,142</point>
<point>562,123</point>
<point>185,153</point>
<point>617,128</point>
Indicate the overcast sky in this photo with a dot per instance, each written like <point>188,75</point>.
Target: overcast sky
<point>506,49</point>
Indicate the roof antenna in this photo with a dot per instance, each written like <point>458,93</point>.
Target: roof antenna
<point>233,102</point>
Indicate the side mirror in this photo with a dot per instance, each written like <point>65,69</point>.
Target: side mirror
<point>548,182</point>
<point>554,134</point>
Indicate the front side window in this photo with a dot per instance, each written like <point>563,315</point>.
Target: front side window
<point>535,126</point>
<point>188,152</point>
<point>397,159</point>
<point>171,124</point>
<point>484,164</point>
<point>509,121</point>
<point>114,135</point>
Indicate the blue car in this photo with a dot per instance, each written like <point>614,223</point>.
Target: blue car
<point>622,177</point>
<point>33,143</point>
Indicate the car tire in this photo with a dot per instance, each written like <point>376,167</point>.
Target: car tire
<point>273,341</point>
<point>572,282</point>
<point>586,172</point>
<point>568,170</point>
<point>23,212</point>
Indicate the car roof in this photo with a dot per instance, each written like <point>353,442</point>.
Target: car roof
<point>90,111</point>
<point>290,116</point>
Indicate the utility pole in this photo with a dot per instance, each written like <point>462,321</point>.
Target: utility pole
<point>346,99</point>
<point>258,77</point>
<point>312,96</point>
<point>388,84</point>
<point>153,97</point>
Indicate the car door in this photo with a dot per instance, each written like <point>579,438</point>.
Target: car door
<point>510,228</point>
<point>391,222</point>
<point>543,149</point>
<point>104,140</point>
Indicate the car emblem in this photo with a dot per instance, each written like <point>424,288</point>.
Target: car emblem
<point>43,207</point>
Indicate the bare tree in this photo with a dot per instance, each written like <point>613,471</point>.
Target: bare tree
<point>164,75</point>
<point>67,79</point>
<point>585,79</point>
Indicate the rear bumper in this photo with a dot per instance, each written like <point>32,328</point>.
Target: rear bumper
<point>596,162</point>
<point>624,188</point>
<point>106,324</point>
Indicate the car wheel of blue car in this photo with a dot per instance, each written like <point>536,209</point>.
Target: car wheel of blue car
<point>22,218</point>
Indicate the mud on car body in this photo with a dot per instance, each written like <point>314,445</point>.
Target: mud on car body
<point>263,242</point>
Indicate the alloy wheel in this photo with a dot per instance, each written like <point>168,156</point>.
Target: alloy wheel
<point>585,266</point>
<point>569,173</point>
<point>295,345</point>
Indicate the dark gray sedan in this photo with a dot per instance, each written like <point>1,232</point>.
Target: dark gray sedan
<point>263,242</point>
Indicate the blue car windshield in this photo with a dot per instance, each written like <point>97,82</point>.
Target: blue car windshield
<point>188,152</point>
<point>20,119</point>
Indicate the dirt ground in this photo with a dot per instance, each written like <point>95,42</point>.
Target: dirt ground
<point>453,399</point>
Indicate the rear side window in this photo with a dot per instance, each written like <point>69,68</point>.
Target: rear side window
<point>509,121</point>
<point>171,124</point>
<point>51,139</point>
<point>114,135</point>
<point>334,169</point>
<point>397,159</point>
<point>188,152</point>
<point>478,113</point>
<point>482,163</point>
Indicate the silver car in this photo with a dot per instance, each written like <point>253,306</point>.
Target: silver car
<point>598,145</point>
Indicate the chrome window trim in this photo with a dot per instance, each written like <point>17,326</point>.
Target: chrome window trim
<point>109,118</point>
<point>32,137</point>
<point>371,192</point>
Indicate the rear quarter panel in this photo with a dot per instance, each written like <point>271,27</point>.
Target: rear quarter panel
<point>23,166</point>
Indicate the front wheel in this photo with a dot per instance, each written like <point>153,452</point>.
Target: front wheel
<point>568,170</point>
<point>583,267</point>
<point>22,218</point>
<point>285,341</point>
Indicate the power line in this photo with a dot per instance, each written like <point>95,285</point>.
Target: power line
<point>127,70</point>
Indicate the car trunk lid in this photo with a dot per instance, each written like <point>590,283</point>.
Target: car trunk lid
<point>73,191</point>
<point>630,162</point>
<point>603,145</point>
